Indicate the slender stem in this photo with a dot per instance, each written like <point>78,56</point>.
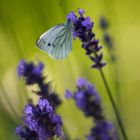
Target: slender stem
<point>113,105</point>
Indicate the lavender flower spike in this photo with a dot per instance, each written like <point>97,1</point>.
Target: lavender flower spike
<point>33,74</point>
<point>86,99</point>
<point>82,29</point>
<point>103,130</point>
<point>41,121</point>
<point>25,133</point>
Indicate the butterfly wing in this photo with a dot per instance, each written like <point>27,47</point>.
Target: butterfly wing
<point>57,41</point>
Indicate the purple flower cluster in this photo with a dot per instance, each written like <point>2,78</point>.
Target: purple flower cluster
<point>40,122</point>
<point>88,100</point>
<point>32,74</point>
<point>82,28</point>
<point>103,130</point>
<point>26,134</point>
<point>107,39</point>
<point>103,23</point>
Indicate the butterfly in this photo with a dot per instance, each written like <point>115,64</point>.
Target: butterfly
<point>57,41</point>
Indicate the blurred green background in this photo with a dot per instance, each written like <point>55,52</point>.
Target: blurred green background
<point>23,21</point>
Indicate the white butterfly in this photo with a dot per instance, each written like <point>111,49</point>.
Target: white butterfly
<point>57,41</point>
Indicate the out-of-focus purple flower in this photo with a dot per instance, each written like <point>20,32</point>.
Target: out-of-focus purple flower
<point>103,23</point>
<point>26,134</point>
<point>71,16</point>
<point>107,40</point>
<point>106,37</point>
<point>103,130</point>
<point>33,74</point>
<point>81,12</point>
<point>28,109</point>
<point>54,100</point>
<point>21,68</point>
<point>68,94</point>
<point>40,119</point>
<point>81,82</point>
<point>38,69</point>
<point>44,105</point>
<point>87,23</point>
<point>82,28</point>
<point>87,99</point>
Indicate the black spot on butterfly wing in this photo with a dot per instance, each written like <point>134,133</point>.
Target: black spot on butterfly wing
<point>45,40</point>
<point>49,44</point>
<point>51,36</point>
<point>60,50</point>
<point>55,41</point>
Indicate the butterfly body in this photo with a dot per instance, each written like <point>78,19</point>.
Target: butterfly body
<point>57,41</point>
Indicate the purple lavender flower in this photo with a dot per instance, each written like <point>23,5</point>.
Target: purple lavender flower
<point>68,94</point>
<point>86,99</point>
<point>40,120</point>
<point>21,68</point>
<point>38,69</point>
<point>81,12</point>
<point>71,16</point>
<point>103,130</point>
<point>82,28</point>
<point>107,39</point>
<point>103,23</point>
<point>54,100</point>
<point>87,23</point>
<point>33,74</point>
<point>26,134</point>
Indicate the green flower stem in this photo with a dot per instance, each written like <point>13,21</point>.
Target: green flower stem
<point>113,105</point>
